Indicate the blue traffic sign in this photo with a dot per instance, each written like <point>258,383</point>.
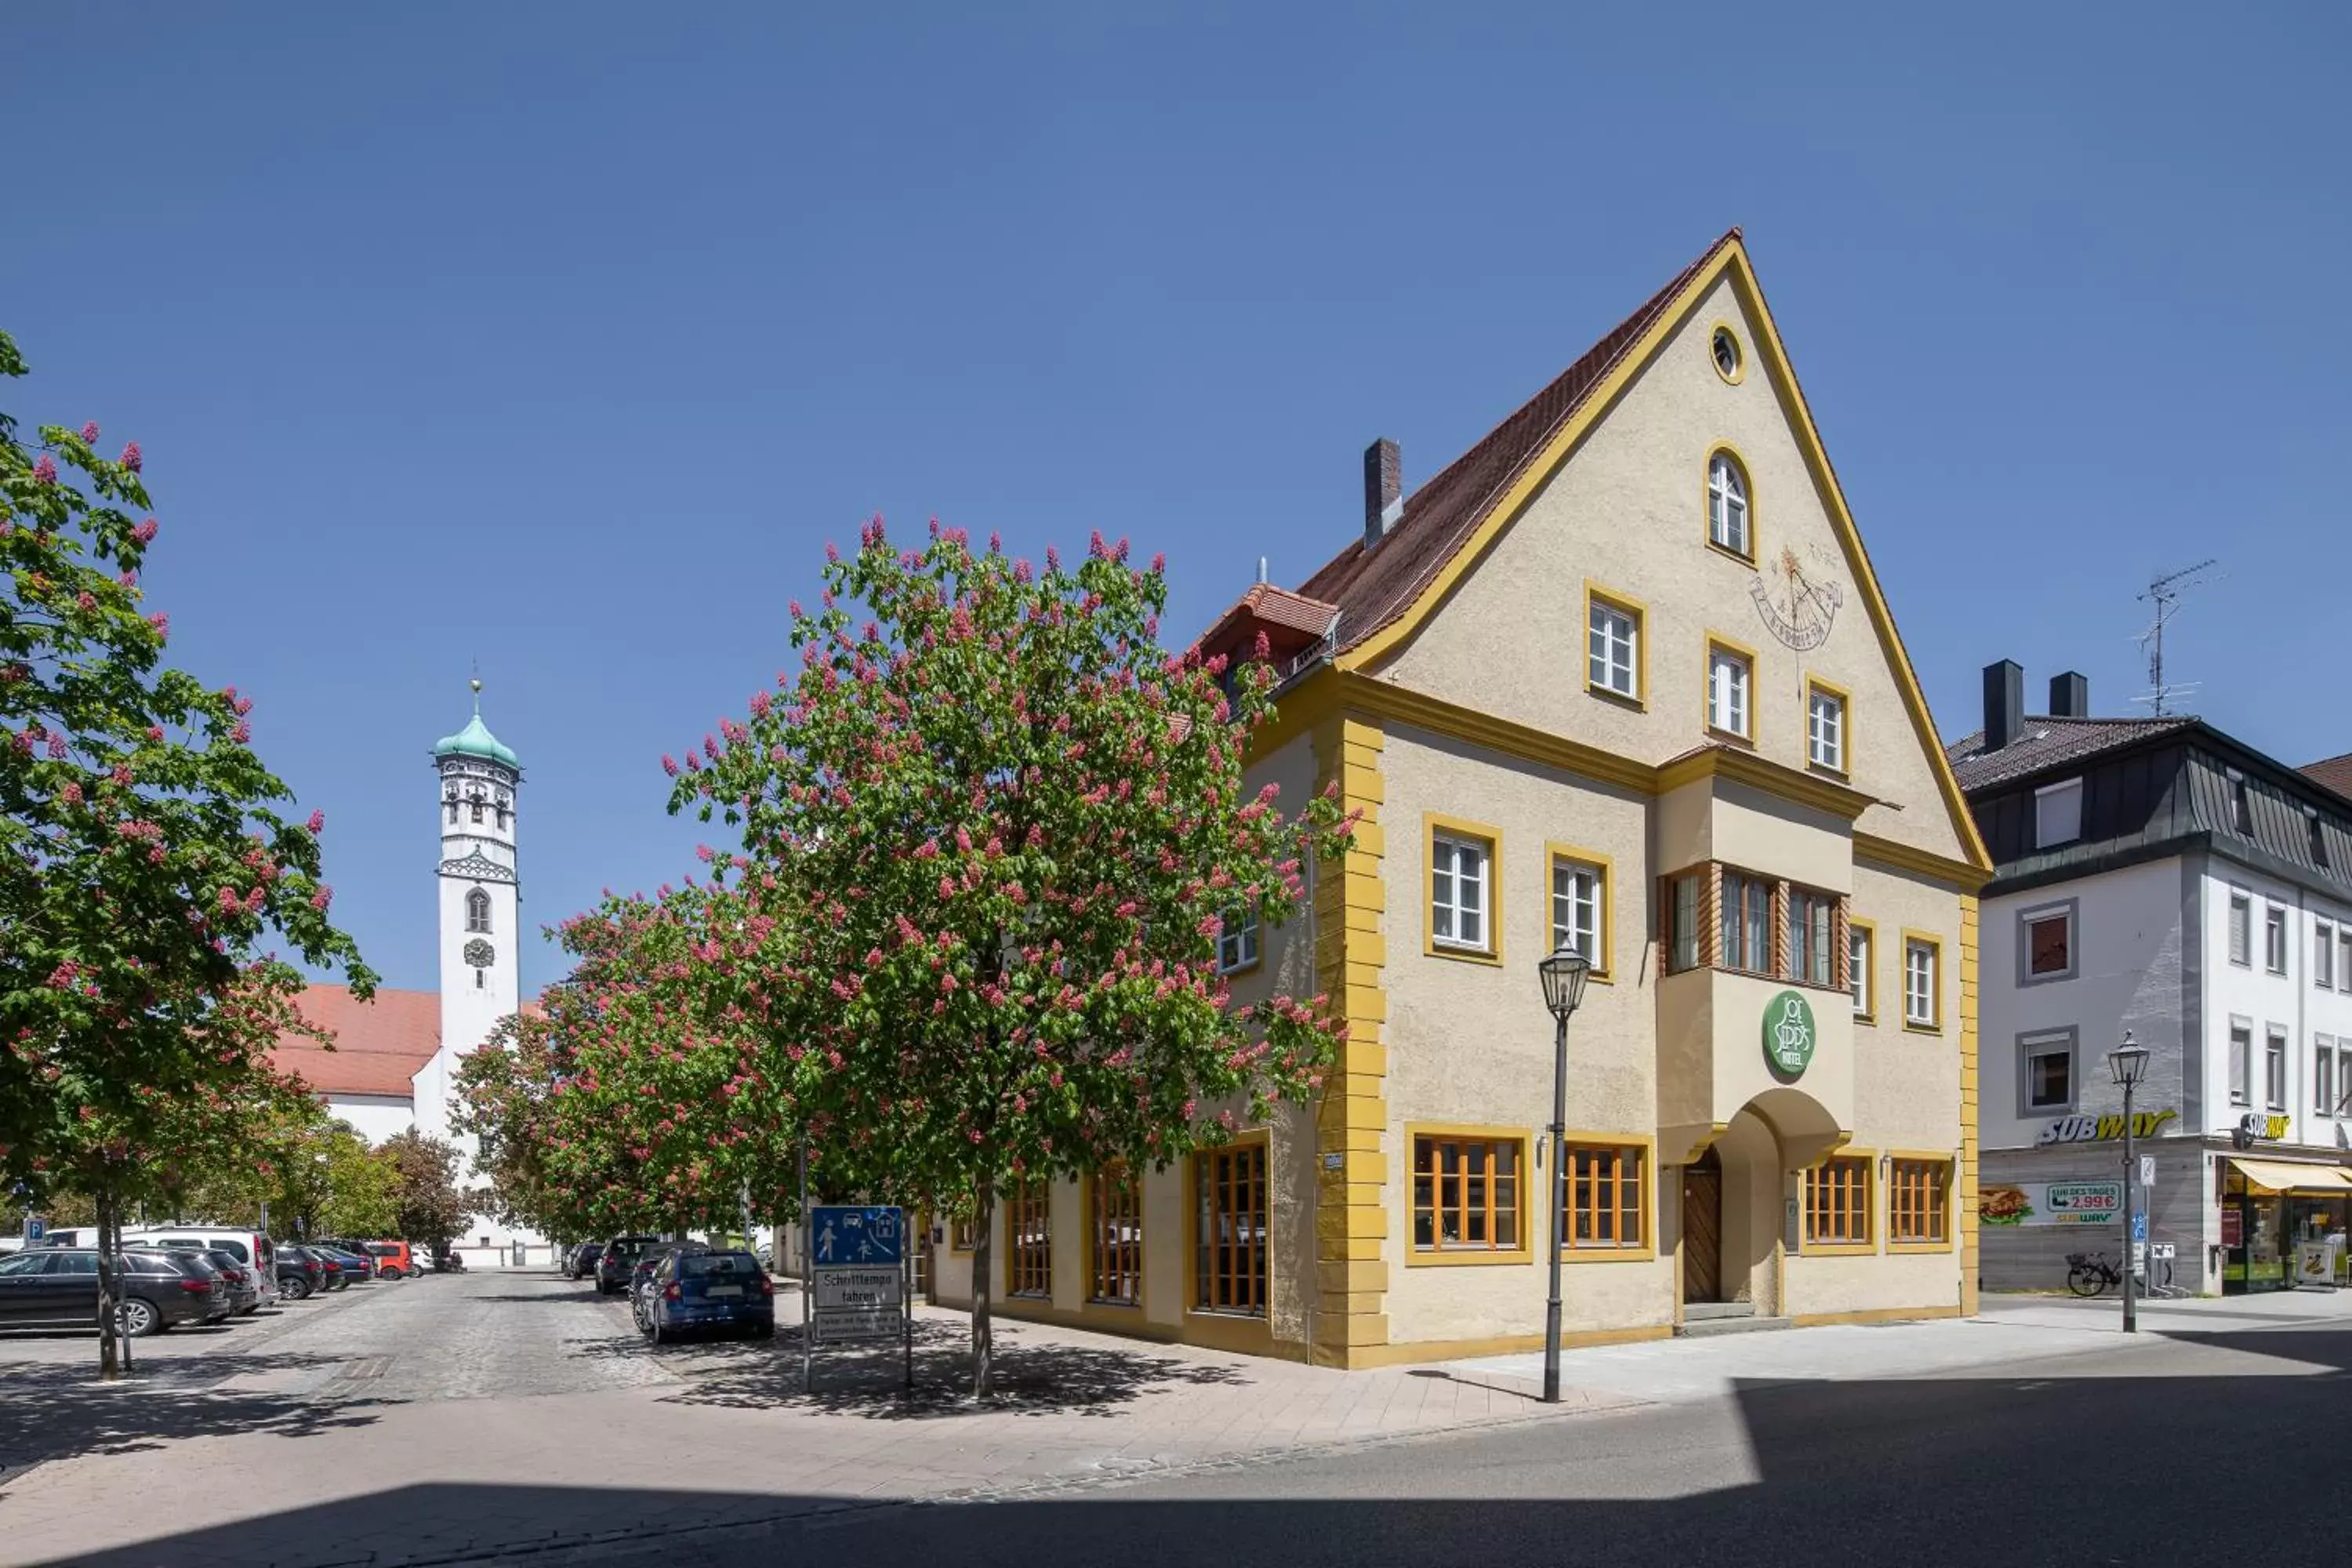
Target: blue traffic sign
<point>34,1230</point>
<point>2139,1227</point>
<point>845,1238</point>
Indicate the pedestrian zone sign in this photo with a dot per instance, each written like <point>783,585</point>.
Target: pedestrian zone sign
<point>840,1238</point>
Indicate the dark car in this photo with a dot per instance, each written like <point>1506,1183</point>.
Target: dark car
<point>350,1267</point>
<point>300,1273</point>
<point>57,1288</point>
<point>698,1291</point>
<point>642,1277</point>
<point>618,1259</point>
<point>580,1263</point>
<point>243,1285</point>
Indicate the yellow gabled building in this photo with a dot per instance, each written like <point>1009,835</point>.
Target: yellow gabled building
<point>1620,676</point>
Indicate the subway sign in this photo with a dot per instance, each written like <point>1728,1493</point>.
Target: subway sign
<point>2107,1129</point>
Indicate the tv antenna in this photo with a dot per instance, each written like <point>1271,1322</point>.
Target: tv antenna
<point>2164,591</point>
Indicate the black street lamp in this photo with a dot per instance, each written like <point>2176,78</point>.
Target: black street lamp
<point>2128,1062</point>
<point>1564,975</point>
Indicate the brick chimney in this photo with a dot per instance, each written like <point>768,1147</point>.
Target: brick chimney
<point>2070,696</point>
<point>2004,704</point>
<point>1383,489</point>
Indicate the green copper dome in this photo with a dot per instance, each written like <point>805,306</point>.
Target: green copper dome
<point>475,741</point>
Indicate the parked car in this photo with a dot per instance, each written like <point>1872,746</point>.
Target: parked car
<point>393,1259</point>
<point>579,1262</point>
<point>246,1246</point>
<point>618,1259</point>
<point>300,1273</point>
<point>642,1281</point>
<point>350,1268</point>
<point>696,1291</point>
<point>57,1288</point>
<point>244,1287</point>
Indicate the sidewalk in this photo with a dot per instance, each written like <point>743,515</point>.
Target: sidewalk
<point>487,1422</point>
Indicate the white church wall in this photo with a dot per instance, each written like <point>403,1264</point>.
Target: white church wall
<point>374,1117</point>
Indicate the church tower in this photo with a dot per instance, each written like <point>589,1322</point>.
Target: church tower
<point>480,903</point>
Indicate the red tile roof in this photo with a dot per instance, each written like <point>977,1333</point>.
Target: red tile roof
<point>1373,587</point>
<point>1276,610</point>
<point>378,1045</point>
<point>2335,773</point>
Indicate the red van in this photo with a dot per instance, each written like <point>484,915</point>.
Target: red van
<point>393,1259</point>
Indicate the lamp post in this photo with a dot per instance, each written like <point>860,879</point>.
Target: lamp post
<point>2128,1062</point>
<point>1563,975</point>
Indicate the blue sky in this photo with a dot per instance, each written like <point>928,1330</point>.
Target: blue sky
<point>565,336</point>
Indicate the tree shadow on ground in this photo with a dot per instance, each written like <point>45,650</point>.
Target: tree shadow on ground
<point>1942,1472</point>
<point>55,1412</point>
<point>1030,1376</point>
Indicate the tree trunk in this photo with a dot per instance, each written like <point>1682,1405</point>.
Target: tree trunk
<point>109,1236</point>
<point>984,1252</point>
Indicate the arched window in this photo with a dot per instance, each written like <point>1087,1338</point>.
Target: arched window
<point>477,911</point>
<point>1727,504</point>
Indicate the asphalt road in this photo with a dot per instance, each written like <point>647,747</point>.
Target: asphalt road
<point>2228,1450</point>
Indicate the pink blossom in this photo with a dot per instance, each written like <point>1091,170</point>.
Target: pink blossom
<point>57,748</point>
<point>145,532</point>
<point>131,458</point>
<point>89,432</point>
<point>242,733</point>
<point>228,901</point>
<point>322,898</point>
<point>1160,563</point>
<point>318,822</point>
<point>44,470</point>
<point>161,623</point>
<point>669,764</point>
<point>72,794</point>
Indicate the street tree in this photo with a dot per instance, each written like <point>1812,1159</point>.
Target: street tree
<point>428,1207</point>
<point>998,832</point>
<point>146,853</point>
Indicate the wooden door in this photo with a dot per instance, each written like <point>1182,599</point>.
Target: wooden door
<point>1703,1229</point>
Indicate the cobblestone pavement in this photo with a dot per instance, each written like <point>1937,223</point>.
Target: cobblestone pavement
<point>521,1388</point>
<point>492,1414</point>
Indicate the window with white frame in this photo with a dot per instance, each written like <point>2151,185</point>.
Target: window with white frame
<point>2344,1077</point>
<point>2242,1051</point>
<point>1825,729</point>
<point>2322,1075</point>
<point>1857,970</point>
<point>2049,942</point>
<point>1919,965</point>
<point>1237,940</point>
<point>1577,888</point>
<point>2241,927</point>
<point>1615,651</point>
<point>1728,674</point>
<point>2274,1068</point>
<point>1727,504</point>
<point>2323,954</point>
<point>2274,939</point>
<point>2344,958</point>
<point>2047,1071</point>
<point>2057,814</point>
<point>1458,876</point>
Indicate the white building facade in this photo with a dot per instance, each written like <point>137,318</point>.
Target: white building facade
<point>2156,877</point>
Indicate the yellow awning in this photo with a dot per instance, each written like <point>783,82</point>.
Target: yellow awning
<point>2284,1176</point>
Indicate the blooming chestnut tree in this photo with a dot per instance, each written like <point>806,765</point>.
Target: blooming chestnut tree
<point>146,853</point>
<point>998,830</point>
<point>638,1098</point>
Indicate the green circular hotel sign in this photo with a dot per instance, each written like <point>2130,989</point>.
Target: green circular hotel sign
<point>1788,1033</point>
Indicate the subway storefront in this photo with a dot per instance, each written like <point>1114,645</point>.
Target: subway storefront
<point>2283,1223</point>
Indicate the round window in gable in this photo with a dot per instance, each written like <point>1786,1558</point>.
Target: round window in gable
<point>1725,346</point>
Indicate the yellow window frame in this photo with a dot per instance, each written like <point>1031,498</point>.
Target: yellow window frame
<point>1718,643</point>
<point>1935,945</point>
<point>1555,852</point>
<point>1528,1192</point>
<point>1432,823</point>
<point>1639,612</point>
<point>1845,768</point>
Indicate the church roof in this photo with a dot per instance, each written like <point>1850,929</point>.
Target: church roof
<point>378,1045</point>
<point>475,741</point>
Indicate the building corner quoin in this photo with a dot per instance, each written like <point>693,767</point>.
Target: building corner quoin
<point>1350,1176</point>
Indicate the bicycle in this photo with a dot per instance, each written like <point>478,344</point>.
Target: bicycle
<point>2090,1273</point>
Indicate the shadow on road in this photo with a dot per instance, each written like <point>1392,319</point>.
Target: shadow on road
<point>55,1412</point>
<point>1030,1376</point>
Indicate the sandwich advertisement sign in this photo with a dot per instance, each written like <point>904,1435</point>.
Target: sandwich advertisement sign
<point>2051,1203</point>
